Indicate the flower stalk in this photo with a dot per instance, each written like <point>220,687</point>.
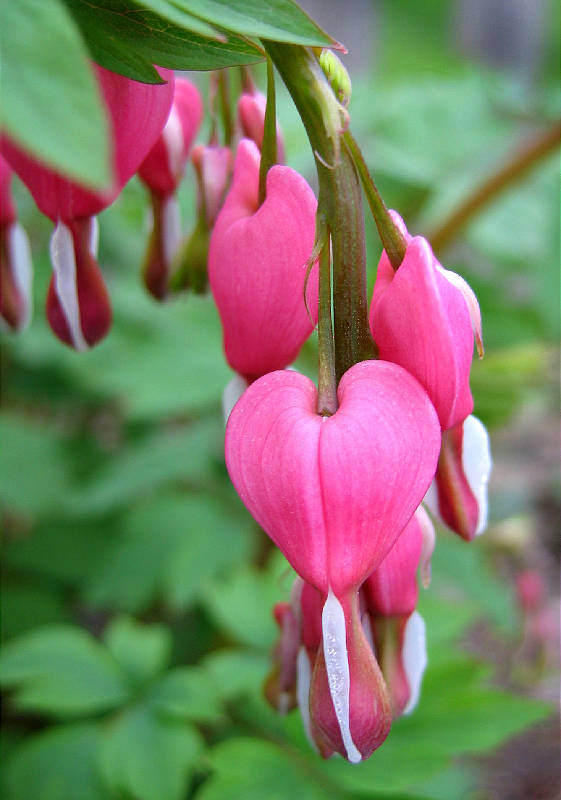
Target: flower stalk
<point>269,145</point>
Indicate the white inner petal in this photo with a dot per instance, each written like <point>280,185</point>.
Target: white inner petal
<point>303,678</point>
<point>471,302</point>
<point>477,463</point>
<point>63,259</point>
<point>173,138</point>
<point>431,500</point>
<point>338,676</point>
<point>94,237</point>
<point>20,258</point>
<point>429,540</point>
<point>171,228</point>
<point>414,657</point>
<point>231,394</point>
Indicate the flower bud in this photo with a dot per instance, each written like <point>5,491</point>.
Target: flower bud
<point>251,114</point>
<point>15,260</point>
<point>458,494</point>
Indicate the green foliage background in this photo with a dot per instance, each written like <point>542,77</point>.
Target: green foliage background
<point>137,592</point>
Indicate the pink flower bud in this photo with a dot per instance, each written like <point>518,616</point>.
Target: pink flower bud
<point>251,114</point>
<point>163,167</point>
<point>280,686</point>
<point>530,590</point>
<point>423,317</point>
<point>257,266</point>
<point>458,494</point>
<point>15,261</point>
<point>212,165</point>
<point>136,114</point>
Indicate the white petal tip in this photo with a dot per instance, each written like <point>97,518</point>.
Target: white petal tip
<point>414,658</point>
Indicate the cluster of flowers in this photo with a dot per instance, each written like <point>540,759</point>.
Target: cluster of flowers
<point>341,495</point>
<point>152,129</point>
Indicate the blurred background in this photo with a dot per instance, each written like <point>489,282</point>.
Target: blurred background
<point>137,592</point>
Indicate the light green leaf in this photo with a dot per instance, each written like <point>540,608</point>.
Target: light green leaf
<point>278,20</point>
<point>50,101</point>
<point>141,650</point>
<point>252,769</point>
<point>59,764</point>
<point>186,693</point>
<point>148,758</point>
<point>35,473</point>
<point>236,672</point>
<point>61,670</point>
<point>198,537</point>
<point>242,601</point>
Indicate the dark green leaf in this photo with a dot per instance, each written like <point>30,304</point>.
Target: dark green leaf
<point>50,102</point>
<point>148,758</point>
<point>279,20</point>
<point>61,670</point>
<point>59,764</point>
<point>126,37</point>
<point>141,650</point>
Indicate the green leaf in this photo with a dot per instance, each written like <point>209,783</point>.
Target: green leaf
<point>59,764</point>
<point>29,604</point>
<point>186,693</point>
<point>35,473</point>
<point>141,650</point>
<point>148,758</point>
<point>236,672</point>
<point>126,37</point>
<point>278,20</point>
<point>198,538</point>
<point>61,670</point>
<point>179,456</point>
<point>252,769</point>
<point>242,602</point>
<point>50,101</point>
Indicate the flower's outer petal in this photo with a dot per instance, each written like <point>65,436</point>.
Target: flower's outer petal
<point>212,165</point>
<point>16,276</point>
<point>257,266</point>
<point>421,321</point>
<point>251,113</point>
<point>377,453</point>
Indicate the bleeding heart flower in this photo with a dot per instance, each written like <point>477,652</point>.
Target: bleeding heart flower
<point>251,114</point>
<point>257,266</point>
<point>161,171</point>
<point>389,598</point>
<point>458,494</point>
<point>423,317</point>
<point>15,260</point>
<point>334,493</point>
<point>78,306</point>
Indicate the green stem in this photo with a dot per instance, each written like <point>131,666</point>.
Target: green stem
<point>327,379</point>
<point>340,196</point>
<point>519,163</point>
<point>392,238</point>
<point>225,107</point>
<point>269,145</point>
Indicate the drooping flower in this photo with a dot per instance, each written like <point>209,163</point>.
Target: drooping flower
<point>213,165</point>
<point>161,171</point>
<point>389,598</point>
<point>251,114</point>
<point>334,493</point>
<point>15,260</point>
<point>424,317</point>
<point>458,494</point>
<point>78,306</point>
<point>257,266</point>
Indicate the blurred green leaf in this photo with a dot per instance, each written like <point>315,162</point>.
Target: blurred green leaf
<point>146,757</point>
<point>197,538</point>
<point>57,764</point>
<point>242,601</point>
<point>251,769</point>
<point>142,651</point>
<point>29,604</point>
<point>235,672</point>
<point>61,670</point>
<point>34,469</point>
<point>186,693</point>
<point>50,101</point>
